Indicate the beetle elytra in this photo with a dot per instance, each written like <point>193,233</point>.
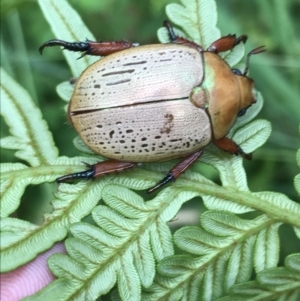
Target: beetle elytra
<point>156,102</point>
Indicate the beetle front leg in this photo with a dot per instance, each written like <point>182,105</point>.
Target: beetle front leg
<point>177,170</point>
<point>90,47</point>
<point>97,170</point>
<point>228,145</point>
<point>226,43</point>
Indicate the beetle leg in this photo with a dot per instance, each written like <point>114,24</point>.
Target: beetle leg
<point>179,40</point>
<point>90,47</point>
<point>228,145</point>
<point>226,43</point>
<point>177,170</point>
<point>99,169</point>
<point>73,80</point>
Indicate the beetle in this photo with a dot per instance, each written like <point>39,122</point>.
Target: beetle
<point>157,102</point>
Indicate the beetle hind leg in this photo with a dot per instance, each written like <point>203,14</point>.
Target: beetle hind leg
<point>90,47</point>
<point>177,170</point>
<point>97,170</point>
<point>114,166</point>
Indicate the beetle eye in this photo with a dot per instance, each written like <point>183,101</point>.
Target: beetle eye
<point>242,112</point>
<point>236,71</point>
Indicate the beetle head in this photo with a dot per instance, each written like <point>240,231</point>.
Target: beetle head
<point>230,92</point>
<point>246,84</point>
<point>247,93</point>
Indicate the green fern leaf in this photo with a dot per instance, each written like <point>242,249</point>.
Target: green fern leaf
<point>253,135</point>
<point>131,239</point>
<point>266,253</point>
<point>213,279</point>
<point>240,264</point>
<point>215,203</point>
<point>128,280</point>
<point>286,277</point>
<point>297,178</point>
<point>297,231</point>
<point>30,135</point>
<point>234,56</point>
<point>65,91</point>
<point>229,247</point>
<point>297,183</point>
<point>197,18</point>
<point>82,147</point>
<point>54,291</point>
<point>196,241</point>
<point>10,191</point>
<point>224,224</point>
<point>22,241</point>
<point>130,236</point>
<point>281,283</point>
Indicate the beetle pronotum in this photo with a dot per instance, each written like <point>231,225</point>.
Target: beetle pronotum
<point>156,102</point>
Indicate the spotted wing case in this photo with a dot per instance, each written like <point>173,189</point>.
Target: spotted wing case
<point>135,105</point>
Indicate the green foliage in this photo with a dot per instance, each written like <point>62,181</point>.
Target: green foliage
<point>281,283</point>
<point>297,178</point>
<point>129,244</point>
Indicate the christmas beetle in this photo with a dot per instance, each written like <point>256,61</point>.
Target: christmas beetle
<point>156,102</point>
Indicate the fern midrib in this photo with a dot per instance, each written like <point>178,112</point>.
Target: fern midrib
<point>199,22</point>
<point>289,215</point>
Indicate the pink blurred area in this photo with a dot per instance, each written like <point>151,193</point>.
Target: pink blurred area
<point>28,279</point>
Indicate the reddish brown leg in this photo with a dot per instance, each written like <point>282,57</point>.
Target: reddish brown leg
<point>228,145</point>
<point>90,47</point>
<point>99,169</point>
<point>226,43</point>
<point>179,40</point>
<point>177,170</point>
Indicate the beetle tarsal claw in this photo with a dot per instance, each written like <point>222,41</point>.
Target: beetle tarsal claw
<point>87,164</point>
<point>80,57</point>
<point>243,154</point>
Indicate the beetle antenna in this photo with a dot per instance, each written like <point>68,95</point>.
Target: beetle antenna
<point>254,51</point>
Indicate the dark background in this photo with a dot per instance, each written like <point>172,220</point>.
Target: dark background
<point>273,23</point>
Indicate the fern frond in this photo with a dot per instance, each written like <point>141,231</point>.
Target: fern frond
<point>129,239</point>
<point>30,135</point>
<point>281,283</point>
<point>197,18</point>
<point>10,191</point>
<point>130,236</point>
<point>227,245</point>
<point>297,177</point>
<point>65,91</point>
